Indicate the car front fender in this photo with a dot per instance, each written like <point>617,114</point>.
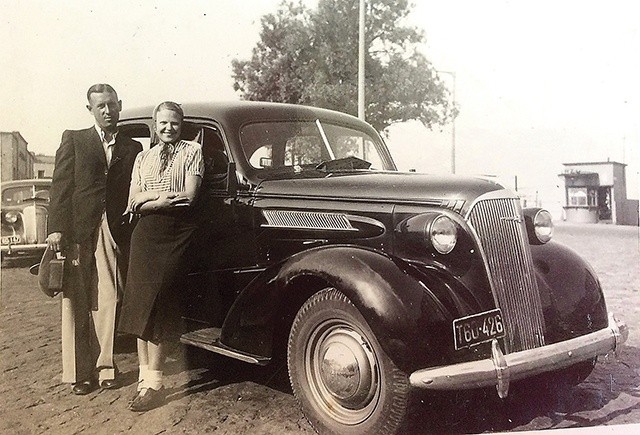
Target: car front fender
<point>408,320</point>
<point>571,294</point>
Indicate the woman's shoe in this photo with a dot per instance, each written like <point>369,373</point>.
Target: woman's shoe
<point>147,399</point>
<point>139,388</point>
<point>133,399</point>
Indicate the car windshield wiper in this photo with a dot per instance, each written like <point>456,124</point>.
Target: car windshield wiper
<point>343,164</point>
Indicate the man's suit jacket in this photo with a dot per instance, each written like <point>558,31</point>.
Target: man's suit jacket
<point>83,187</point>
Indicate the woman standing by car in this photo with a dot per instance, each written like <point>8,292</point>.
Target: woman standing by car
<point>164,184</point>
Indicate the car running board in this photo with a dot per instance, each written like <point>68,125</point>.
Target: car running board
<point>209,339</point>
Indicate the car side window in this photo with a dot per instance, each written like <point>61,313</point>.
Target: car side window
<point>137,132</point>
<point>215,158</point>
<point>209,137</point>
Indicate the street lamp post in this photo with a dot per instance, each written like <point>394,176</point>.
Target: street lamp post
<point>453,123</point>
<point>361,49</point>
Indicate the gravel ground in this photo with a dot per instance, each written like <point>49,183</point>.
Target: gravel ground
<point>207,393</point>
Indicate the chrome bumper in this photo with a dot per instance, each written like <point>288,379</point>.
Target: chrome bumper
<point>500,369</point>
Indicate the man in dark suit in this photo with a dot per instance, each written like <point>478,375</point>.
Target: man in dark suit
<point>89,194</point>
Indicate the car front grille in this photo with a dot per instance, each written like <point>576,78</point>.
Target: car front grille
<point>499,227</point>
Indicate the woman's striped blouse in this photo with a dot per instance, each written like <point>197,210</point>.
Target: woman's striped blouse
<point>186,160</point>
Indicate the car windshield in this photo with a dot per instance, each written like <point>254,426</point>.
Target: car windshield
<point>310,145</point>
<point>18,194</point>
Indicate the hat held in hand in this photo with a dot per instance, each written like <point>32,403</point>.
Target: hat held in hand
<point>50,272</point>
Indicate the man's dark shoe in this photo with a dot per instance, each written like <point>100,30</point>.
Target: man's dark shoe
<point>83,387</point>
<point>109,384</point>
<point>147,399</point>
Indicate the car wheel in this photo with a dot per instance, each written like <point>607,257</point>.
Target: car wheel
<point>340,375</point>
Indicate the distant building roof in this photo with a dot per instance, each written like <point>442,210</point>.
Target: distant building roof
<point>16,134</point>
<point>595,163</point>
<point>41,158</point>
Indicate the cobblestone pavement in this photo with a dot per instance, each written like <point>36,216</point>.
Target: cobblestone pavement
<point>207,393</point>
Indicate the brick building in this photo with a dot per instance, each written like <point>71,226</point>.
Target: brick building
<point>17,161</point>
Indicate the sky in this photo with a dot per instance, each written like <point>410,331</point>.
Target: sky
<point>538,83</point>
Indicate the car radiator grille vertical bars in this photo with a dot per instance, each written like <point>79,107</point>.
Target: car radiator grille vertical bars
<point>499,226</point>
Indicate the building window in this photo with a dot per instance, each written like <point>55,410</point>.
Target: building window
<point>40,173</point>
<point>582,196</point>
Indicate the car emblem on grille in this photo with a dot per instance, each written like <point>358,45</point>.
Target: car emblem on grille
<point>516,218</point>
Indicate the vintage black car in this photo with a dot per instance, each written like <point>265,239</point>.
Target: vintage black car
<point>372,282</point>
<point>25,211</point>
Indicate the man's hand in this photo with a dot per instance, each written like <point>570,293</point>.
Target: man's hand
<point>54,241</point>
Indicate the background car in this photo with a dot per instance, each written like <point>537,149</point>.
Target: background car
<point>372,283</point>
<point>25,211</point>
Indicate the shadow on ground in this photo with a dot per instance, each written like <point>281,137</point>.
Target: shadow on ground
<point>206,371</point>
<point>534,404</point>
<point>531,405</point>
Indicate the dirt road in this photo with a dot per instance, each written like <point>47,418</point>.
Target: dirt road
<point>213,394</point>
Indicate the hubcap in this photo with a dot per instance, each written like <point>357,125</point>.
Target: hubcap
<point>343,372</point>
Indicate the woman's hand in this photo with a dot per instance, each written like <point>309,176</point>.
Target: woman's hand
<point>141,198</point>
<point>166,199</point>
<point>170,200</point>
<point>181,199</point>
<point>155,200</point>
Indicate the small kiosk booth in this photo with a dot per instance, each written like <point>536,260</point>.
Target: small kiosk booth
<point>597,192</point>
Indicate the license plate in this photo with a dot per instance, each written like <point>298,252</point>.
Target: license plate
<point>10,240</point>
<point>478,328</point>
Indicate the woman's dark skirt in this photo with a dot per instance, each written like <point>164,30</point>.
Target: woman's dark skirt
<point>151,304</point>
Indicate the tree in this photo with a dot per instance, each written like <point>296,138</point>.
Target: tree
<point>310,57</point>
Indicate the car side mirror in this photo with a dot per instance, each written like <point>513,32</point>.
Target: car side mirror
<point>232,179</point>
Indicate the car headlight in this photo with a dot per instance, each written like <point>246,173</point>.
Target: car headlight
<point>11,217</point>
<point>543,226</point>
<point>443,234</point>
<point>539,225</point>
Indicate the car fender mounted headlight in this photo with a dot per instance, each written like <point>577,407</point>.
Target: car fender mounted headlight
<point>443,234</point>
<point>539,225</point>
<point>11,217</point>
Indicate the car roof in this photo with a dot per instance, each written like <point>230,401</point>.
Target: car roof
<point>27,182</point>
<point>235,113</point>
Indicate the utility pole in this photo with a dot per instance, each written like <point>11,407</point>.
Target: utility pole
<point>453,122</point>
<point>361,48</point>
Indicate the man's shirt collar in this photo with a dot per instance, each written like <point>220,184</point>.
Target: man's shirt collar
<point>101,133</point>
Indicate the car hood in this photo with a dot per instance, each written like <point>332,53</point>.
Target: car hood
<point>395,187</point>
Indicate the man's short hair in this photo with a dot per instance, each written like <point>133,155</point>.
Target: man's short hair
<point>99,88</point>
